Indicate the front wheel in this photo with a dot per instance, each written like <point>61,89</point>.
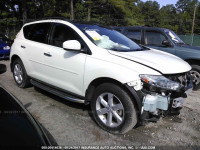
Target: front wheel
<point>113,109</point>
<point>195,73</point>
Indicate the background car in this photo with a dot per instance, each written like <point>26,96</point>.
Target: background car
<point>166,40</point>
<point>17,126</point>
<point>5,44</point>
<point>5,39</point>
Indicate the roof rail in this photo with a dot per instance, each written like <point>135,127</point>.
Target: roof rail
<point>61,18</point>
<point>71,21</point>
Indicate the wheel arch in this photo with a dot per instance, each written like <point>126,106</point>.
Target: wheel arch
<point>13,58</point>
<point>96,82</point>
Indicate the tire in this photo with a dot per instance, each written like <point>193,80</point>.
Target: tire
<point>195,72</point>
<point>121,107</point>
<point>19,73</point>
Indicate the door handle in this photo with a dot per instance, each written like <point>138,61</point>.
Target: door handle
<point>47,54</point>
<point>23,46</point>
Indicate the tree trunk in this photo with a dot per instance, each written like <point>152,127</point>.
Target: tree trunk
<point>72,10</point>
<point>89,14</point>
<point>24,11</point>
<point>193,23</point>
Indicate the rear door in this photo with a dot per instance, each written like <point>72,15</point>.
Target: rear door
<point>34,47</point>
<point>64,68</point>
<point>154,39</point>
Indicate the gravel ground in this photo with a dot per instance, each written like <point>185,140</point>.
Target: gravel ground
<point>71,123</point>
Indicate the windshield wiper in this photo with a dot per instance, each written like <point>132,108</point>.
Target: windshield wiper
<point>141,49</point>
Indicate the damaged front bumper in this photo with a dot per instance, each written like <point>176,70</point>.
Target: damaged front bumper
<point>158,101</point>
<point>171,105</point>
<point>164,102</point>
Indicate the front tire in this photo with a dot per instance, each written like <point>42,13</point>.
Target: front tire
<point>195,73</point>
<point>19,73</point>
<point>113,109</point>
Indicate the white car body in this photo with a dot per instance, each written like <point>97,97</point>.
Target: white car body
<point>86,68</point>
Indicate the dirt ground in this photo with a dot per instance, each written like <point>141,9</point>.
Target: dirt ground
<point>71,123</point>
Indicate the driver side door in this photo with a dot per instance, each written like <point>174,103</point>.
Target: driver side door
<point>64,69</point>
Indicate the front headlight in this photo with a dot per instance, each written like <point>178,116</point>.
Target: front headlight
<point>6,48</point>
<point>160,82</point>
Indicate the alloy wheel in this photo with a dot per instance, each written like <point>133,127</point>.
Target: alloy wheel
<point>110,110</point>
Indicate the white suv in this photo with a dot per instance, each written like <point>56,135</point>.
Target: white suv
<point>123,82</point>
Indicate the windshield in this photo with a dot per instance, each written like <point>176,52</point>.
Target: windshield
<point>108,38</point>
<point>174,37</point>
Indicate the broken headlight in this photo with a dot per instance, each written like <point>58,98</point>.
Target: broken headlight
<point>160,81</point>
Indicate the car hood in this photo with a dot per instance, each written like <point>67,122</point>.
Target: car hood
<point>160,61</point>
<point>190,47</point>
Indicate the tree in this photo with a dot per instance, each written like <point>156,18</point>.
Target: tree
<point>168,18</point>
<point>150,11</point>
<point>13,13</point>
<point>185,10</point>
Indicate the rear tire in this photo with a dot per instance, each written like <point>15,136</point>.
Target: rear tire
<point>19,73</point>
<point>113,109</point>
<point>195,72</point>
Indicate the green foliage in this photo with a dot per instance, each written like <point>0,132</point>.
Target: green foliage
<point>108,12</point>
<point>168,18</point>
<point>150,11</point>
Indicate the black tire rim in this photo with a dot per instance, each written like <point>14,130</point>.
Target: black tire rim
<point>195,77</point>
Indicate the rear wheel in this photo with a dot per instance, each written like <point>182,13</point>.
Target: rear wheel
<point>19,74</point>
<point>195,73</point>
<point>113,109</point>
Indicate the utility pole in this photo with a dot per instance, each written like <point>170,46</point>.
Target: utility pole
<point>193,22</point>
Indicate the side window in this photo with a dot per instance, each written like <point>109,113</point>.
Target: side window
<point>154,38</point>
<point>27,30</point>
<point>39,32</point>
<point>134,35</point>
<point>62,33</point>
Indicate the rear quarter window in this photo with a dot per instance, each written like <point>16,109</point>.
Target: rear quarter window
<point>27,30</point>
<point>37,32</point>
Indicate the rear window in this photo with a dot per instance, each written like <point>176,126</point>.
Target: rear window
<point>134,35</point>
<point>37,32</point>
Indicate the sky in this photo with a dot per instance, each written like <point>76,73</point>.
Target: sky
<point>164,2</point>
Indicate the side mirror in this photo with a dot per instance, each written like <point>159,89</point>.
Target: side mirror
<point>166,43</point>
<point>2,68</point>
<point>72,45</point>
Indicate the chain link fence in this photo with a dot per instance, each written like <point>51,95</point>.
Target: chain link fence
<point>193,40</point>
